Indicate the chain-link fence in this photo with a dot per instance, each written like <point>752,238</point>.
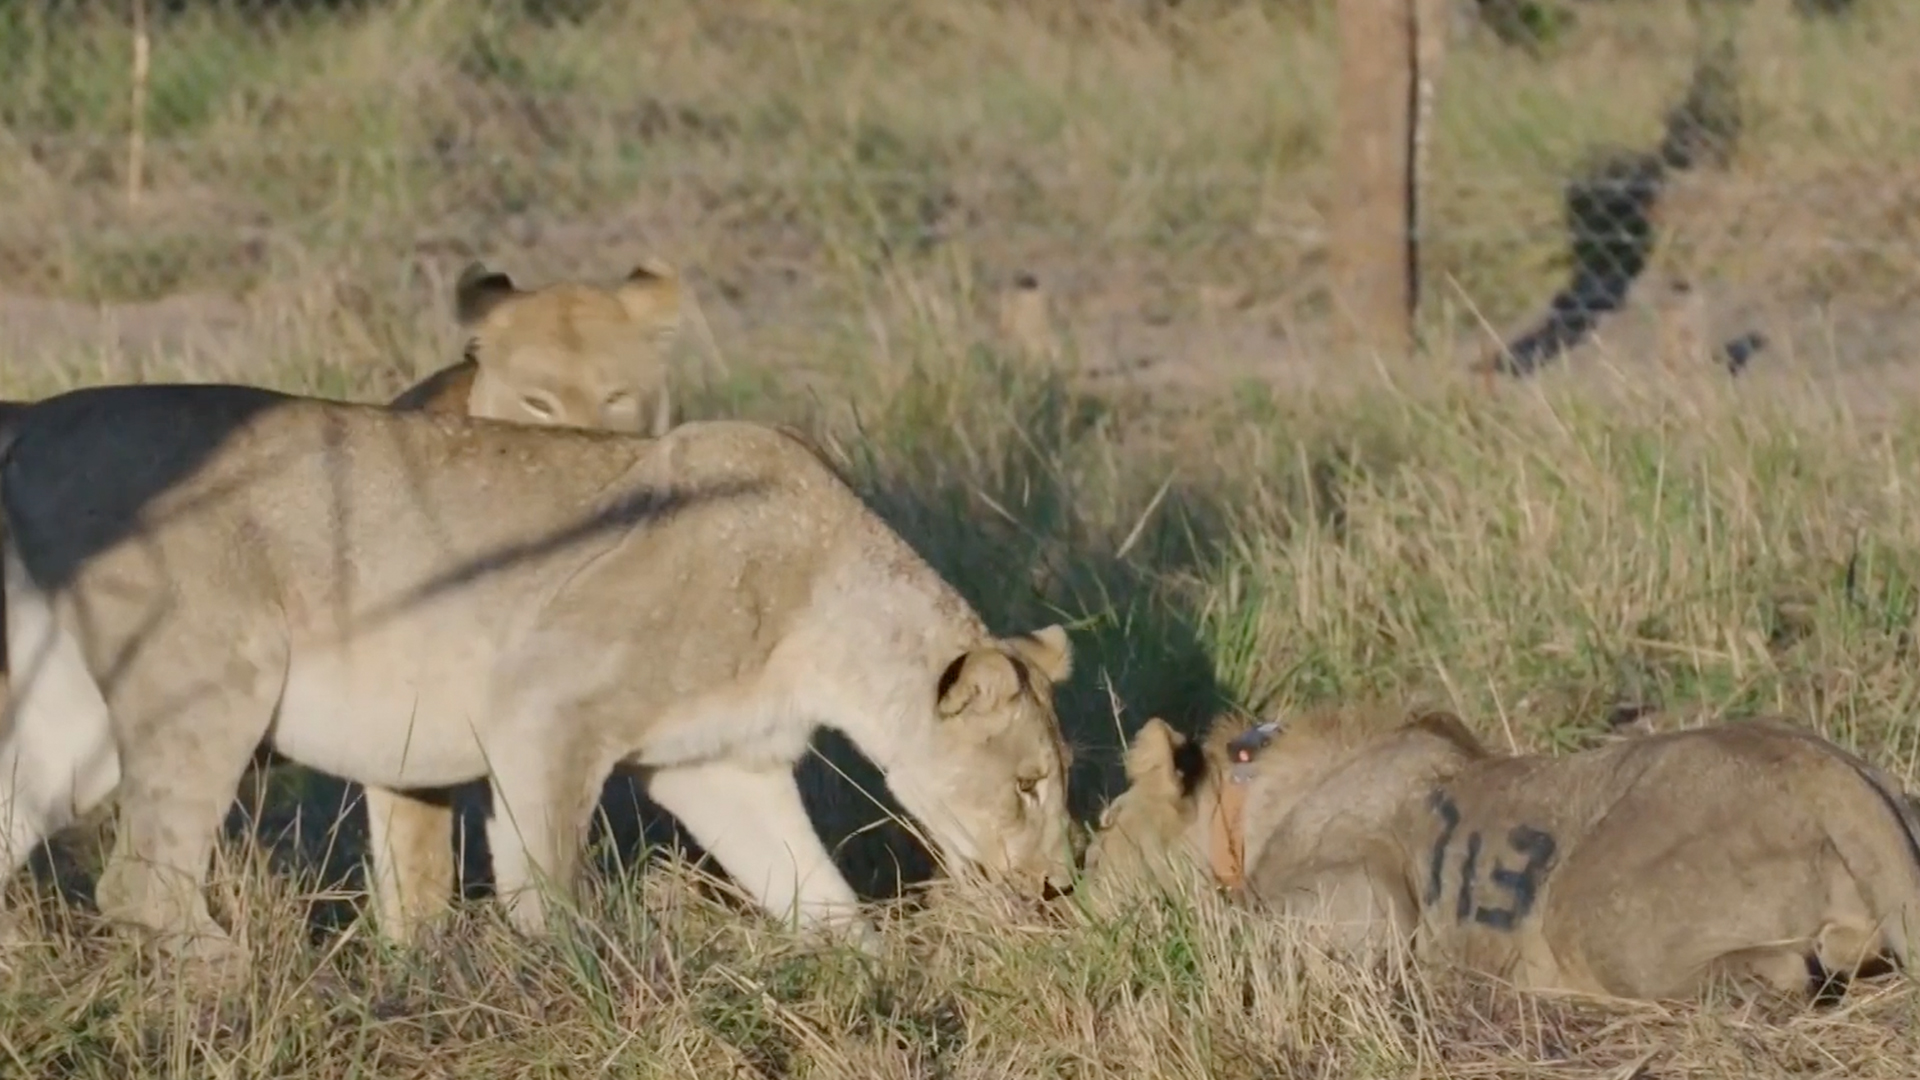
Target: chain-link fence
<point>1154,167</point>
<point>1702,156</point>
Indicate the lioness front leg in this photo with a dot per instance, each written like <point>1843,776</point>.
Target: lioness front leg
<point>410,844</point>
<point>754,825</point>
<point>542,806</point>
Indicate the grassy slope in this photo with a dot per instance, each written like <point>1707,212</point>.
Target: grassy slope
<point>1533,558</point>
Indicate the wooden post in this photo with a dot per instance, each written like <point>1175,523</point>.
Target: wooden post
<point>1373,258</point>
<point>1431,25</point>
<point>137,120</point>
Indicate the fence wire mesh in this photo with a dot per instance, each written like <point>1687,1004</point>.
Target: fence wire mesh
<point>1658,129</point>
<point>1720,163</point>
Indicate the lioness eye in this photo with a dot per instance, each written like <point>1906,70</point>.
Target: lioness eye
<point>617,399</point>
<point>1029,785</point>
<point>538,406</point>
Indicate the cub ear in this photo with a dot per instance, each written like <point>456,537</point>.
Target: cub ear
<point>977,679</point>
<point>1048,649</point>
<point>479,291</point>
<point>650,296</point>
<point>1150,757</point>
<point>1446,725</point>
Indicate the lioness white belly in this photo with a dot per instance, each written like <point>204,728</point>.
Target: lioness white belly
<point>389,716</point>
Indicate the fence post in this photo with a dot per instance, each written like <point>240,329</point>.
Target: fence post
<point>1373,211</point>
<point>137,106</point>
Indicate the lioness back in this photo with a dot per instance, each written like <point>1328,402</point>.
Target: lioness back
<point>1753,850</point>
<point>398,491</point>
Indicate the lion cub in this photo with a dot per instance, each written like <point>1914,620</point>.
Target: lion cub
<point>566,355</point>
<point>418,600</point>
<point>1644,869</point>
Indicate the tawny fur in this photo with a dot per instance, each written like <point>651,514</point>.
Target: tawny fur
<point>568,354</point>
<point>417,600</point>
<point>1647,868</point>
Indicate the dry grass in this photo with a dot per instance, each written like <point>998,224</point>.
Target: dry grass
<point>661,977</point>
<point>850,185</point>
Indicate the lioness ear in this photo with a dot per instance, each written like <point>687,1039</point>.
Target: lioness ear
<point>977,679</point>
<point>479,291</point>
<point>651,298</point>
<point>1048,649</point>
<point>1149,761</point>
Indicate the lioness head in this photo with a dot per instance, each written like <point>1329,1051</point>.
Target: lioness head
<point>571,354</point>
<point>992,786</point>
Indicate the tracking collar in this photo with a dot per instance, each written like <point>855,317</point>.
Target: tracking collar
<point>1226,830</point>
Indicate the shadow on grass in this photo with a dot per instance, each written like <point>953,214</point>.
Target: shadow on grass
<point>1012,531</point>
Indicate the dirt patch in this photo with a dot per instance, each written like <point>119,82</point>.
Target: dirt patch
<point>767,302</point>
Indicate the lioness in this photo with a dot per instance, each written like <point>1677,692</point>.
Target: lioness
<point>568,354</point>
<point>412,599</point>
<point>1641,869</point>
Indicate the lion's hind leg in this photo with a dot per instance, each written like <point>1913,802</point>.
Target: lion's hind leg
<point>57,763</point>
<point>1763,969</point>
<point>1844,951</point>
<point>187,734</point>
<point>58,759</point>
<point>1821,968</point>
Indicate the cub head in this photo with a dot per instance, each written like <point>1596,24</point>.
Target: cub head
<point>991,784</point>
<point>1176,806</point>
<point>571,354</point>
<point>1151,827</point>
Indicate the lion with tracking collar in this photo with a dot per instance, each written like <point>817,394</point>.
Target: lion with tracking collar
<point>417,600</point>
<point>1645,869</point>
